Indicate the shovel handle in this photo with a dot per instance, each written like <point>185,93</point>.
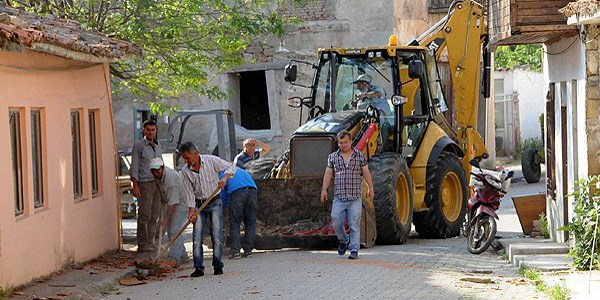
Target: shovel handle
<point>172,241</point>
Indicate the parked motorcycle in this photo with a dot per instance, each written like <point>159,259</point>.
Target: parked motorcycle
<point>490,187</point>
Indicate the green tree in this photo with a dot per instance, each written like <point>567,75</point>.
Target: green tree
<point>508,56</point>
<point>185,43</point>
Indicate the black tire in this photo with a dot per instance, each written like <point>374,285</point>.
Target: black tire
<point>434,223</point>
<point>260,168</point>
<point>393,216</point>
<point>482,234</point>
<point>530,165</point>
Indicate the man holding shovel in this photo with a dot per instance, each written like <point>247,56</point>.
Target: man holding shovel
<point>170,185</point>
<point>200,178</point>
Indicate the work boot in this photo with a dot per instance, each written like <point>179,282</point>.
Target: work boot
<point>218,271</point>
<point>197,273</point>
<point>353,255</point>
<point>342,248</point>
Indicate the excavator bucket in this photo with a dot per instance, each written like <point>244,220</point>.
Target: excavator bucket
<point>290,214</point>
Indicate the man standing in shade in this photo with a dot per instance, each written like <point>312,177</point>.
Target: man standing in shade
<point>250,152</point>
<point>241,192</point>
<point>200,178</point>
<point>171,187</point>
<point>349,166</point>
<point>144,188</point>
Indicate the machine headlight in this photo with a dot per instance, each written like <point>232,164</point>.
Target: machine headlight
<point>295,102</point>
<point>398,100</point>
<point>491,179</point>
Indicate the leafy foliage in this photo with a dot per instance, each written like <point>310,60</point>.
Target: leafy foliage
<point>544,225</point>
<point>508,56</point>
<point>185,43</point>
<point>583,225</point>
<point>534,143</point>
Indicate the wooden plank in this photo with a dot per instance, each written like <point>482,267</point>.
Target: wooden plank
<point>544,11</point>
<point>538,28</point>
<point>541,4</point>
<point>540,20</point>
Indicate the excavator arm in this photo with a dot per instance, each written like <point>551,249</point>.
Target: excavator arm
<point>463,47</point>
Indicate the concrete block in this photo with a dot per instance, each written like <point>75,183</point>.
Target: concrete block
<point>544,263</point>
<point>536,248</point>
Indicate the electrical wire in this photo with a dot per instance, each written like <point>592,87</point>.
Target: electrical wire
<point>571,45</point>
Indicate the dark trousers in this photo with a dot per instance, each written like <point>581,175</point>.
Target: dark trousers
<point>148,213</point>
<point>243,205</point>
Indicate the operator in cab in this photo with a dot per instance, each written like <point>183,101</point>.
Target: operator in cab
<point>371,94</point>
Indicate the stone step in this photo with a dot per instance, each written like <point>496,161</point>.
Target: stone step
<point>544,262</point>
<point>536,248</point>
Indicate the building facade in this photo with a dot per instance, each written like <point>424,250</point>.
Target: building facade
<point>61,204</point>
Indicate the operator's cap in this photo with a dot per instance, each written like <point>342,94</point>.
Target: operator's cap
<point>364,77</point>
<point>156,163</point>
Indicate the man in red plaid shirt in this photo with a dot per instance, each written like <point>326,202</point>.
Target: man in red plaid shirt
<point>347,166</point>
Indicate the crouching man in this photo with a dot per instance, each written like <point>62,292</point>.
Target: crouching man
<point>170,185</point>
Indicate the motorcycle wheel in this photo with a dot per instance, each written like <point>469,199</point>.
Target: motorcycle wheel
<point>482,234</point>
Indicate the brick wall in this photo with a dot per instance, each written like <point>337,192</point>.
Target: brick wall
<point>316,10</point>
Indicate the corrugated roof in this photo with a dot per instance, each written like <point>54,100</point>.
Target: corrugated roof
<point>60,37</point>
<point>581,7</point>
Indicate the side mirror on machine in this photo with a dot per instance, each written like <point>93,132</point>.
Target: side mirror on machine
<point>475,163</point>
<point>297,102</point>
<point>415,68</point>
<point>291,72</point>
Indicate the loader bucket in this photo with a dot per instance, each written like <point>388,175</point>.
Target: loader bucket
<point>290,215</point>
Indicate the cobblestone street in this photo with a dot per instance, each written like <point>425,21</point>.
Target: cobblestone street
<point>420,269</point>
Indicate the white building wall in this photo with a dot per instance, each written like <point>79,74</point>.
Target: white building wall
<point>531,89</point>
<point>564,61</point>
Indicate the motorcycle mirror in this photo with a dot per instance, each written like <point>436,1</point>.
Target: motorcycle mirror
<point>291,73</point>
<point>474,162</point>
<point>510,175</point>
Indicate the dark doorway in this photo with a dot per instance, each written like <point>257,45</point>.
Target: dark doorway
<point>254,101</point>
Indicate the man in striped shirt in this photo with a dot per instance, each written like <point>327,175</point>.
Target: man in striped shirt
<point>347,166</point>
<point>200,178</point>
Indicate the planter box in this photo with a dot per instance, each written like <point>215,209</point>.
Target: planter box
<point>529,208</point>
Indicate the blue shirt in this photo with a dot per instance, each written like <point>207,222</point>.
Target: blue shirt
<point>241,179</point>
<point>243,158</point>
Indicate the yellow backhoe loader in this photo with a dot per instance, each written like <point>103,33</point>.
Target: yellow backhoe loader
<point>419,160</point>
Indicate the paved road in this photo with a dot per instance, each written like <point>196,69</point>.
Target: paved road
<point>420,269</point>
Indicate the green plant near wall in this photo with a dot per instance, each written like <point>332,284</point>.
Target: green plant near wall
<point>544,225</point>
<point>508,56</point>
<point>582,227</point>
<point>535,143</point>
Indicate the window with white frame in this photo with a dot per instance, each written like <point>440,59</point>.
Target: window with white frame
<point>93,137</point>
<point>37,156</point>
<point>17,159</point>
<point>76,153</point>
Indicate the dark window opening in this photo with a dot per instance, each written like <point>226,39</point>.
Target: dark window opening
<point>17,161</point>
<point>254,101</point>
<point>37,163</point>
<point>76,154</point>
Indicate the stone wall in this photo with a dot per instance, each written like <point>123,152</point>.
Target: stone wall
<point>592,104</point>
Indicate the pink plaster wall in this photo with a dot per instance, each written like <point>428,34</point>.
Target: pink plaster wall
<point>45,239</point>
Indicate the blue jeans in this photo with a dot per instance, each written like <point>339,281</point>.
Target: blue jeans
<point>352,209</point>
<point>178,219</point>
<point>242,205</point>
<point>214,212</point>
